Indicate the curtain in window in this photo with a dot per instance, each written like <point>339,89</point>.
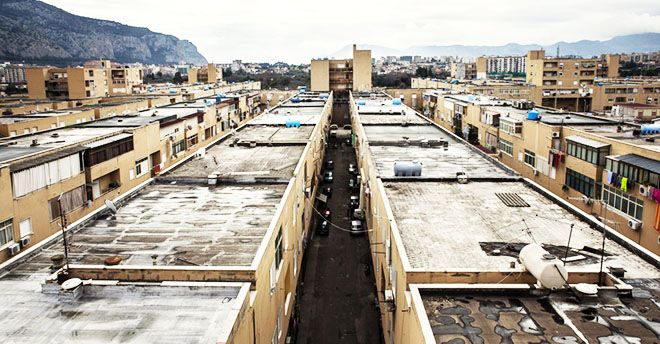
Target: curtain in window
<point>37,177</point>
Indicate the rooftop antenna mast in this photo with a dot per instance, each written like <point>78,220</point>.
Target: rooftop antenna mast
<point>63,224</point>
<point>557,50</point>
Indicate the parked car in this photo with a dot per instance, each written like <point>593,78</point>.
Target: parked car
<point>352,169</point>
<point>354,202</point>
<point>334,127</point>
<point>356,227</point>
<point>327,191</point>
<point>348,142</point>
<point>327,177</point>
<point>333,134</point>
<point>323,228</point>
<point>358,214</point>
<point>347,127</point>
<point>326,214</point>
<point>335,145</point>
<point>351,183</point>
<point>329,165</point>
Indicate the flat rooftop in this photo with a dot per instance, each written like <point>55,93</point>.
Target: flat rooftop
<point>625,133</point>
<point>388,145</point>
<point>386,118</point>
<point>240,163</point>
<point>275,134</point>
<point>118,312</point>
<point>182,224</point>
<point>549,116</point>
<point>65,137</point>
<point>476,230</point>
<point>272,118</point>
<point>517,317</point>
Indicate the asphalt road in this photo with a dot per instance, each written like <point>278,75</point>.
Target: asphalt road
<point>337,300</point>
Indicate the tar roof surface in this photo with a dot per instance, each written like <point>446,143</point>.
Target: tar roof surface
<point>266,133</point>
<point>241,162</point>
<point>476,317</point>
<point>437,162</point>
<point>181,224</point>
<point>443,226</point>
<point>116,313</point>
<point>65,137</point>
<point>282,117</point>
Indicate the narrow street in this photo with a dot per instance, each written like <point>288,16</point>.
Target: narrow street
<point>337,301</point>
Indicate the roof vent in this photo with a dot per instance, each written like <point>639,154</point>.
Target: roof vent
<point>512,199</point>
<point>34,143</point>
<point>55,135</point>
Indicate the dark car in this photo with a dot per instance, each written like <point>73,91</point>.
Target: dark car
<point>335,145</point>
<point>354,202</point>
<point>347,127</point>
<point>348,143</point>
<point>326,214</point>
<point>351,183</point>
<point>329,165</point>
<point>327,177</point>
<point>358,214</point>
<point>356,227</point>
<point>327,191</point>
<point>323,228</point>
<point>352,169</point>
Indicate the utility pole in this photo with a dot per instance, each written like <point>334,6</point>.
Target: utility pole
<point>602,249</point>
<point>63,225</point>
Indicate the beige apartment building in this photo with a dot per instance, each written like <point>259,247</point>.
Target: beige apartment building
<point>94,81</point>
<point>342,75</point>
<point>463,70</point>
<point>91,162</point>
<point>599,97</point>
<point>569,154</point>
<point>217,258</point>
<point>210,74</point>
<point>447,226</point>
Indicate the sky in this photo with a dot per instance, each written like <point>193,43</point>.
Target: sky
<point>297,30</point>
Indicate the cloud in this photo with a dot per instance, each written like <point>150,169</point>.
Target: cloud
<point>297,30</point>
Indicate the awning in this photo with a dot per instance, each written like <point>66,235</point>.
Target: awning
<point>36,161</point>
<point>587,142</point>
<point>639,161</point>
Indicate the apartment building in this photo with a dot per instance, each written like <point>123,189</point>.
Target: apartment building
<point>212,248</point>
<point>210,74</point>
<point>463,70</point>
<point>493,66</point>
<point>342,75</point>
<point>599,97</point>
<point>451,231</point>
<point>567,83</point>
<point>14,73</point>
<point>102,159</point>
<point>82,82</point>
<point>569,154</point>
<point>635,112</point>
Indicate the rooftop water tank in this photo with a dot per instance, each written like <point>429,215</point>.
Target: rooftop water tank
<point>548,270</point>
<point>533,115</point>
<point>407,168</point>
<point>218,99</point>
<point>600,83</point>
<point>396,101</point>
<point>292,123</point>
<point>324,96</point>
<point>653,128</point>
<point>295,100</point>
<point>361,102</point>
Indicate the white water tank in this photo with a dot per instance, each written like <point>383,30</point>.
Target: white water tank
<point>548,270</point>
<point>407,168</point>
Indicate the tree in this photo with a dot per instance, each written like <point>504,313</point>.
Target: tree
<point>177,78</point>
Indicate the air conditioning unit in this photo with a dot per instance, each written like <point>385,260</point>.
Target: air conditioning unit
<point>643,190</point>
<point>634,224</point>
<point>14,249</point>
<point>25,241</point>
<point>555,135</point>
<point>587,200</point>
<point>535,172</point>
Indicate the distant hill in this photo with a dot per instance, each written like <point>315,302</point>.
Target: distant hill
<point>36,32</point>
<point>643,42</point>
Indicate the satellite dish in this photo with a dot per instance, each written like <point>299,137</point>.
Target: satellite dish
<point>111,206</point>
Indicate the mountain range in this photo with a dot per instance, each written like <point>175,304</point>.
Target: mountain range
<point>643,42</point>
<point>32,31</point>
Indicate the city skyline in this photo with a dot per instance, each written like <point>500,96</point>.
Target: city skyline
<point>268,33</point>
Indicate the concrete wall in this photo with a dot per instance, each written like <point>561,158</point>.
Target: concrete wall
<point>320,75</point>
<point>361,69</point>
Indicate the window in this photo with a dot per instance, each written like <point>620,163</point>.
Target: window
<point>530,158</point>
<point>617,199</point>
<point>91,73</point>
<point>593,155</point>
<point>506,147</point>
<point>179,147</point>
<point>141,167</point>
<point>633,172</point>
<point>192,140</point>
<point>71,201</point>
<point>510,127</point>
<point>580,182</point>
<point>25,227</point>
<point>6,231</point>
<point>98,155</point>
<point>279,252</point>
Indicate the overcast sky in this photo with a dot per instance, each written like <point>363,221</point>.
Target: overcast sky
<point>297,30</point>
